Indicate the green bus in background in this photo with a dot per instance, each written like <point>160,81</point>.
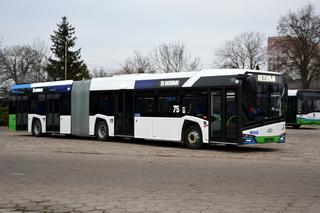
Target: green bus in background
<point>303,108</point>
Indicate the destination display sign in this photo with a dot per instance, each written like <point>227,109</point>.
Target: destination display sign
<point>169,83</point>
<point>267,78</point>
<point>35,90</point>
<point>159,83</point>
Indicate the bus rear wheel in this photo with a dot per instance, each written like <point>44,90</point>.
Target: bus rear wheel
<point>36,128</point>
<point>193,137</point>
<point>102,131</point>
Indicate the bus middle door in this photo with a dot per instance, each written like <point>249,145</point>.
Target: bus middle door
<point>124,113</point>
<point>53,113</point>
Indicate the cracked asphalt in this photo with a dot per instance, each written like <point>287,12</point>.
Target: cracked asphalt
<point>65,174</point>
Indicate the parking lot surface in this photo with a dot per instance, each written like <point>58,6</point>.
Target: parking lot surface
<point>67,174</point>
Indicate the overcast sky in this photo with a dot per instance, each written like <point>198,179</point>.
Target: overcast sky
<point>109,31</point>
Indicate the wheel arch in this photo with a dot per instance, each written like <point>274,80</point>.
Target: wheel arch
<point>33,122</point>
<point>41,118</point>
<point>188,123</point>
<point>98,120</point>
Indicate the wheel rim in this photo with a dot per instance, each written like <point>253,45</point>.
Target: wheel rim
<point>102,131</point>
<point>193,137</point>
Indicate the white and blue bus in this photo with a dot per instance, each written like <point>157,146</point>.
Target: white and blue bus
<point>227,106</point>
<point>303,107</point>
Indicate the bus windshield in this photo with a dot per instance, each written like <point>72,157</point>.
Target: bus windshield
<point>264,103</point>
<point>308,102</point>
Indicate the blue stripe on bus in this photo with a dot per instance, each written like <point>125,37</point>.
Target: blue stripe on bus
<point>16,88</point>
<point>21,86</point>
<point>60,88</point>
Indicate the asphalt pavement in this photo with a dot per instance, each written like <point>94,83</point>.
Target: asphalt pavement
<point>63,174</point>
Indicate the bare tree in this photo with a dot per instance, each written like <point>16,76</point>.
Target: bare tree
<point>302,43</point>
<point>136,64</point>
<point>99,73</point>
<point>173,57</point>
<point>40,61</point>
<point>22,64</point>
<point>246,50</point>
<point>15,63</point>
<point>1,69</point>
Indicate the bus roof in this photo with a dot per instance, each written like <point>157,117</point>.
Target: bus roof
<point>132,81</point>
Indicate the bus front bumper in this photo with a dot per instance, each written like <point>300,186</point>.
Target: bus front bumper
<point>252,139</point>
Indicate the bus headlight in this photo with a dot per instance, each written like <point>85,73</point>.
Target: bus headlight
<point>282,138</point>
<point>248,139</point>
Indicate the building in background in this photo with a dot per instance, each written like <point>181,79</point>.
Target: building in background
<point>279,62</point>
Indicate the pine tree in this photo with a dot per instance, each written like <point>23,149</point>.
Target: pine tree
<point>63,40</point>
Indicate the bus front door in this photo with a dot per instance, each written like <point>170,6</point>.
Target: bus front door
<point>124,113</point>
<point>53,113</point>
<point>224,115</point>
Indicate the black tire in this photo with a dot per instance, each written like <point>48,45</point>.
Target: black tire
<point>102,131</point>
<point>296,126</point>
<point>36,128</point>
<point>193,137</point>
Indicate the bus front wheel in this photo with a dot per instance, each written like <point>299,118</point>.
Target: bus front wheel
<point>193,137</point>
<point>36,128</point>
<point>102,131</point>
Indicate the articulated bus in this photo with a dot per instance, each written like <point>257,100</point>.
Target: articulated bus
<point>303,108</point>
<point>210,106</point>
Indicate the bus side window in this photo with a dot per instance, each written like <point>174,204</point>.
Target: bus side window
<point>38,104</point>
<point>168,103</point>
<point>33,104</point>
<point>12,105</point>
<point>144,104</point>
<point>195,104</point>
<point>66,104</point>
<point>316,104</point>
<point>106,104</point>
<point>216,114</point>
<point>93,107</point>
<point>101,103</point>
